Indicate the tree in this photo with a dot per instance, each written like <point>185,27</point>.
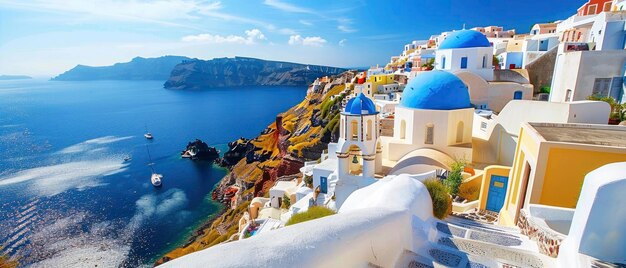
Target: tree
<point>495,61</point>
<point>430,64</point>
<point>455,177</point>
<point>618,111</point>
<point>286,202</point>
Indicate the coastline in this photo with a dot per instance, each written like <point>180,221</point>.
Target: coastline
<point>299,134</point>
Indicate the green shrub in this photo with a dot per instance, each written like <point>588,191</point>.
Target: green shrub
<point>442,202</point>
<point>455,178</point>
<point>544,89</point>
<point>308,180</point>
<point>470,193</point>
<point>286,202</point>
<point>311,214</point>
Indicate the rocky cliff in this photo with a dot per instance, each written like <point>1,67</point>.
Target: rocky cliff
<point>137,69</point>
<point>240,71</point>
<point>297,135</point>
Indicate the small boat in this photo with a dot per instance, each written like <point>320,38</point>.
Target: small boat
<point>156,179</point>
<point>185,154</point>
<point>127,158</point>
<point>148,135</point>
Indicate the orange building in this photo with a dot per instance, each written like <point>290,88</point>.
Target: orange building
<point>593,7</point>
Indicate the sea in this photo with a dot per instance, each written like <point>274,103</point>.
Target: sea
<point>68,198</point>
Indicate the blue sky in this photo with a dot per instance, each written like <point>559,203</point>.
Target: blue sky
<point>47,37</point>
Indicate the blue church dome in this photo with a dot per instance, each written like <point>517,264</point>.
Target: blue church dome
<point>464,39</point>
<point>436,90</point>
<point>360,104</point>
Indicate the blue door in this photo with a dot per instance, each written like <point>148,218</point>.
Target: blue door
<point>324,185</point>
<point>518,95</point>
<point>464,63</point>
<point>497,192</point>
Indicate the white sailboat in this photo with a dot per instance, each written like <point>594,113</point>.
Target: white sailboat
<point>156,178</point>
<point>148,135</point>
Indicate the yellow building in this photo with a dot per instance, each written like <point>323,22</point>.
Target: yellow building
<point>551,161</point>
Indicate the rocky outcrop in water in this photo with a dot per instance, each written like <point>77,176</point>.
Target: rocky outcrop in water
<point>199,150</point>
<point>240,71</point>
<point>137,69</point>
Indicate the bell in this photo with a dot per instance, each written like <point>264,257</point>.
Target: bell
<point>354,160</point>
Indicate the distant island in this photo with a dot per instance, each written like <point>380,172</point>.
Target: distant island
<point>137,69</point>
<point>241,71</point>
<point>14,77</point>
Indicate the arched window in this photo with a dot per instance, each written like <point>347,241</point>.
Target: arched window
<point>443,62</point>
<point>355,129</point>
<point>484,61</point>
<point>402,129</point>
<point>459,132</point>
<point>369,130</point>
<point>430,133</point>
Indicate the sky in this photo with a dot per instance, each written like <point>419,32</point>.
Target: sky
<point>44,38</point>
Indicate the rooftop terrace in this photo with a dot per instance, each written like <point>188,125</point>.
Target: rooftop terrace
<point>606,135</point>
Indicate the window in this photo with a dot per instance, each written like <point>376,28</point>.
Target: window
<point>607,6</point>
<point>369,130</point>
<point>430,133</point>
<point>459,132</point>
<point>464,63</point>
<point>483,126</point>
<point>517,95</point>
<point>355,130</point>
<point>591,9</point>
<point>443,62</point>
<point>402,129</point>
<point>568,95</point>
<point>601,87</point>
<point>484,61</point>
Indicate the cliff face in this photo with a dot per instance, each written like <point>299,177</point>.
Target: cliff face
<point>239,71</point>
<point>137,69</point>
<point>300,134</point>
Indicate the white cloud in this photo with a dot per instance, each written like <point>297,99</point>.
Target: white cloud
<point>346,29</point>
<point>287,7</point>
<point>161,11</point>
<point>305,22</point>
<point>306,41</point>
<point>345,25</point>
<point>343,42</point>
<point>251,37</point>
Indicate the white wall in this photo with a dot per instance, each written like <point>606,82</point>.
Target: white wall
<point>444,137</point>
<point>578,70</point>
<point>496,144</point>
<point>375,225</point>
<point>474,60</point>
<point>597,228</point>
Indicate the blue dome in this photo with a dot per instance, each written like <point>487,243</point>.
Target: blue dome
<point>464,39</point>
<point>360,104</point>
<point>436,90</point>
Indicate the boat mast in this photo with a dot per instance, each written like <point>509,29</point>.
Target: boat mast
<point>150,158</point>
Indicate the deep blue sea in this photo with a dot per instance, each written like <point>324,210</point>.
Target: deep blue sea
<point>67,198</point>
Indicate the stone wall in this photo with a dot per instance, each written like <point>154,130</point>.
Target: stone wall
<point>540,71</point>
<point>547,241</point>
